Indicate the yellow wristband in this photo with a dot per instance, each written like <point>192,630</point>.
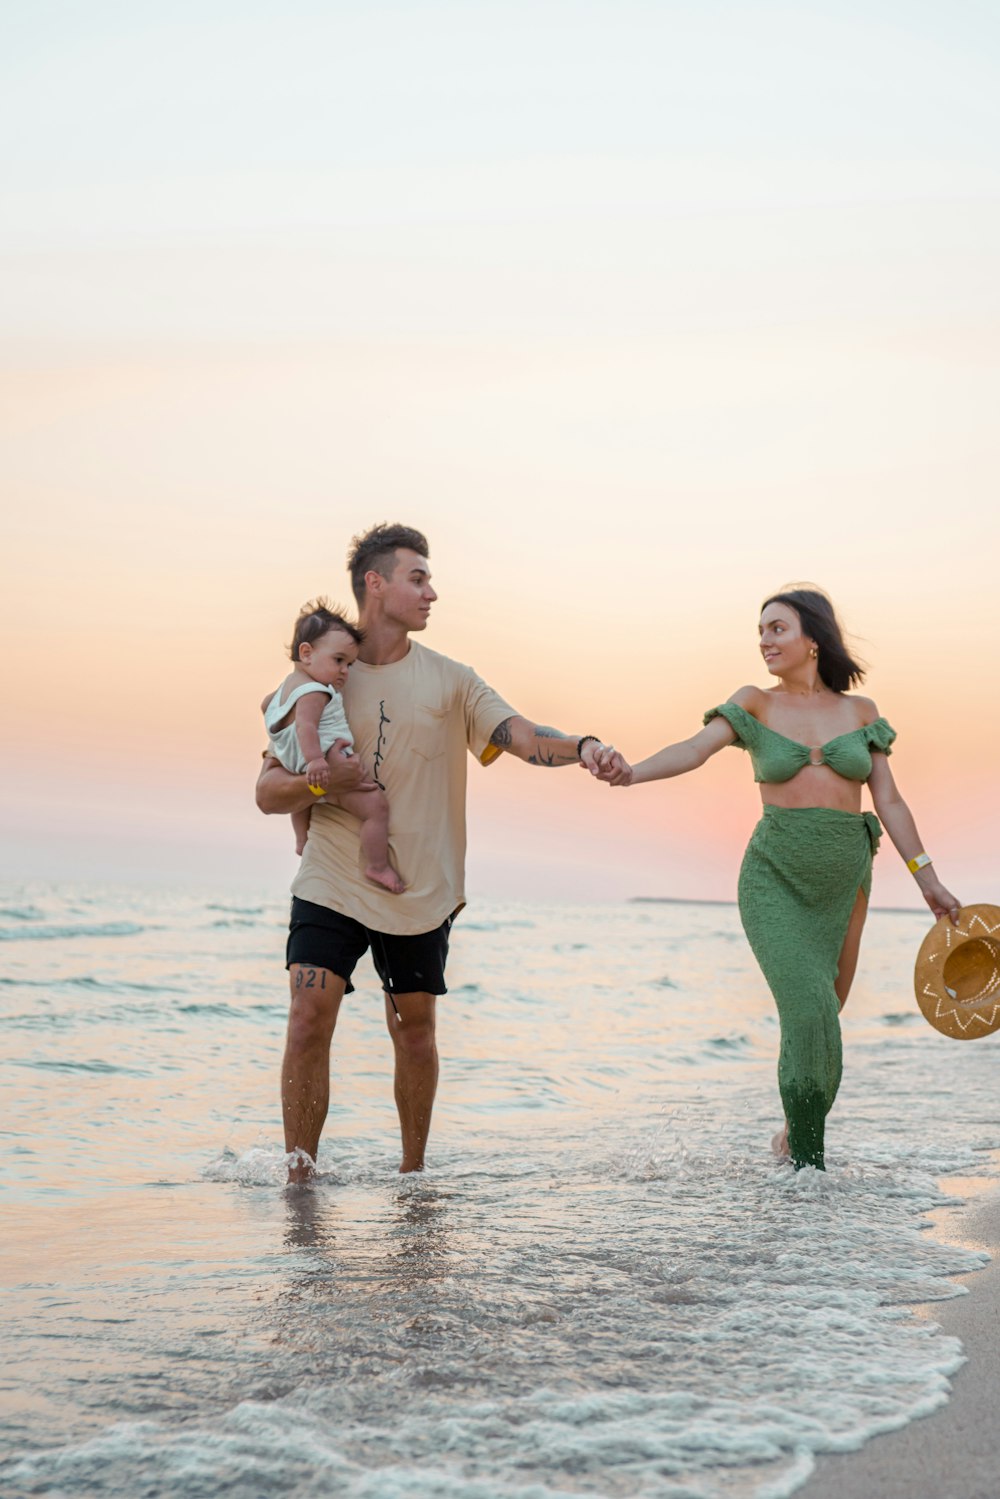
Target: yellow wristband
<point>919,861</point>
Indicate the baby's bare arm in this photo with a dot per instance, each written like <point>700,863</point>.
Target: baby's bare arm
<point>308,712</point>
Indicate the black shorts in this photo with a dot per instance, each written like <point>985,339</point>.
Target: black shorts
<point>322,938</point>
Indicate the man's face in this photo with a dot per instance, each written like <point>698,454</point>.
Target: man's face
<point>407,594</point>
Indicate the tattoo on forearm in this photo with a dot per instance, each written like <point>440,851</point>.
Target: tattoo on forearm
<point>550,758</point>
<point>563,751</point>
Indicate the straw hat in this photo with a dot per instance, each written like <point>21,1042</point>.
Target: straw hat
<point>957,977</point>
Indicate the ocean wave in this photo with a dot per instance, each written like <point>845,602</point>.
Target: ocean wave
<point>67,933</point>
<point>261,1166</point>
<point>21,913</point>
<point>613,1295</point>
<point>545,1444</point>
<point>221,1010</point>
<point>96,1066</point>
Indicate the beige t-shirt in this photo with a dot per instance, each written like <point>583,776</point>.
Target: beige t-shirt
<point>412,723</point>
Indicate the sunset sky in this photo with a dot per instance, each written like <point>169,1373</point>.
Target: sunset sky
<point>639,310</point>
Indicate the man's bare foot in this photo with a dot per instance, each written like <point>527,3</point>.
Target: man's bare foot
<point>405,1167</point>
<point>301,1166</point>
<point>779,1144</point>
<point>387,878</point>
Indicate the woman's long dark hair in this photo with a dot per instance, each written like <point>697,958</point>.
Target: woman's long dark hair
<point>837,668</point>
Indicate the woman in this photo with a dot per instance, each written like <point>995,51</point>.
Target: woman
<point>806,874</point>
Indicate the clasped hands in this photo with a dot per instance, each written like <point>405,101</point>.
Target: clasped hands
<point>605,763</point>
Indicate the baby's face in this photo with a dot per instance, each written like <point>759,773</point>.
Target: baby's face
<point>330,658</point>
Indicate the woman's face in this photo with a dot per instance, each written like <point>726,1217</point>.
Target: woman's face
<point>783,644</point>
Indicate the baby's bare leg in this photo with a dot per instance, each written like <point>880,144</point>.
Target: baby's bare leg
<point>372,808</point>
<point>300,824</point>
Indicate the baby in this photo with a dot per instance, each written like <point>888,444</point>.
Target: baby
<point>305,717</point>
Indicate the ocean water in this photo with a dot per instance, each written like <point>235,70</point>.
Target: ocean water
<point>604,1284</point>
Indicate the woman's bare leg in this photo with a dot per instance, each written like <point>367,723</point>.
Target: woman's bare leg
<point>848,965</point>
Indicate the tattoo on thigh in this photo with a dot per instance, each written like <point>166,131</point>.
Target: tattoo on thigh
<point>310,978</point>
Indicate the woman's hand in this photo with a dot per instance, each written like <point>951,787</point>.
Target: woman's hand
<point>940,900</point>
<point>622,776</point>
<point>612,767</point>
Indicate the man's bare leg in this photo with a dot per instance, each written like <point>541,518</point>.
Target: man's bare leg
<point>316,994</point>
<point>416,1071</point>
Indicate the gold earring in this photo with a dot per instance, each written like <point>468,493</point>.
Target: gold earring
<point>813,653</point>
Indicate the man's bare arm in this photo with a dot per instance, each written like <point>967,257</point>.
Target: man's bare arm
<point>278,790</point>
<point>536,744</point>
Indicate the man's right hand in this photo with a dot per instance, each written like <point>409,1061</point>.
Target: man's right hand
<point>278,791</point>
<point>347,772</point>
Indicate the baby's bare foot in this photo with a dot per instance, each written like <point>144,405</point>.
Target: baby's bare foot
<point>387,878</point>
<point>779,1144</point>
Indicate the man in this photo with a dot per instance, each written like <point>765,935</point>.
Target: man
<point>413,714</point>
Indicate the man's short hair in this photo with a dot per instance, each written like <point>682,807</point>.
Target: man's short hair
<point>375,551</point>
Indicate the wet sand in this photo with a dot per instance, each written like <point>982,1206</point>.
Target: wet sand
<point>954,1453</point>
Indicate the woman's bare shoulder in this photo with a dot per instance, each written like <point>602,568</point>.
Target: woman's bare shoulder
<point>866,709</point>
<point>749,698</point>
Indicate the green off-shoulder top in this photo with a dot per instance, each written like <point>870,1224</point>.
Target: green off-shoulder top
<point>776,758</point>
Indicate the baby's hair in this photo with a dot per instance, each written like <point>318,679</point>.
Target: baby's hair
<point>315,620</point>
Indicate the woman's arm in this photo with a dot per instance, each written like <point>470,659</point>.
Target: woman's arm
<point>897,819</point>
<point>676,759</point>
<point>687,754</point>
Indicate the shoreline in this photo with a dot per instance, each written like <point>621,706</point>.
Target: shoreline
<point>954,1452</point>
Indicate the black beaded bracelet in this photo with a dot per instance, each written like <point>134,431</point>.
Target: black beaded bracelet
<point>583,740</point>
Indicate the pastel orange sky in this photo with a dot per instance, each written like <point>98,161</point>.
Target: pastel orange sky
<point>629,370</point>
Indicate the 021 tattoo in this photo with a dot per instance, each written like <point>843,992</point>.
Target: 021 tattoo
<point>310,978</point>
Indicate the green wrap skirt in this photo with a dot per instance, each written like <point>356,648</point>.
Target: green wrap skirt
<point>798,884</point>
